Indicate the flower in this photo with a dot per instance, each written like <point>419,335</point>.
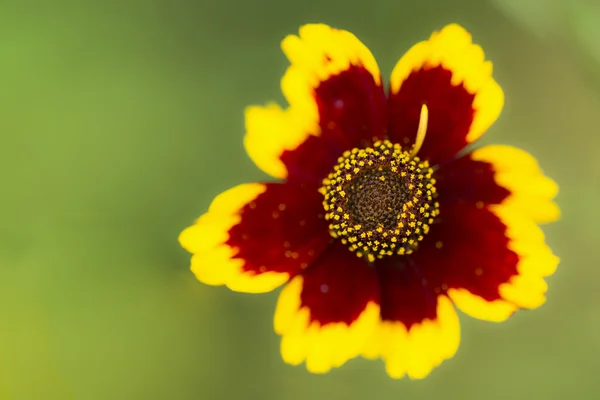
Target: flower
<point>381,223</point>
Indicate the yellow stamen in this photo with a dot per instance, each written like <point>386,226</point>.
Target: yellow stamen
<point>421,131</point>
<point>370,218</point>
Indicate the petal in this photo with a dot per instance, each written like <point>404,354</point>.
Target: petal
<point>499,175</point>
<point>337,102</point>
<point>255,237</point>
<point>517,171</point>
<point>326,314</point>
<point>449,74</point>
<point>419,327</point>
<point>490,261</point>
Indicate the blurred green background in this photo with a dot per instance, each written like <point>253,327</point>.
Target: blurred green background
<point>120,120</point>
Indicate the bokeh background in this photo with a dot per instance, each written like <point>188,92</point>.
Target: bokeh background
<point>120,120</point>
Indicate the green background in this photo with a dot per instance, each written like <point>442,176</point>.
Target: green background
<point>120,120</point>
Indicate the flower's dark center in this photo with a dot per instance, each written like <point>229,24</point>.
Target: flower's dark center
<point>380,200</point>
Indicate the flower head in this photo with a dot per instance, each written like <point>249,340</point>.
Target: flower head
<point>380,223</point>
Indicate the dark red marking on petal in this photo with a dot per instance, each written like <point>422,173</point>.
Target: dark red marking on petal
<point>450,113</point>
<point>468,249</point>
<point>282,230</point>
<point>405,294</point>
<point>465,180</point>
<point>352,111</point>
<point>338,286</point>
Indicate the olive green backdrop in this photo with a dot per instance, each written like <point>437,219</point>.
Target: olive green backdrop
<point>120,120</point>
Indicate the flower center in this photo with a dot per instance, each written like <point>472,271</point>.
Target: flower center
<point>380,200</point>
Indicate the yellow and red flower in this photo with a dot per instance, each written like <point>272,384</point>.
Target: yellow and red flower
<point>380,223</point>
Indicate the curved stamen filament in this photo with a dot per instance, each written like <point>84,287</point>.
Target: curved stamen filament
<point>421,131</point>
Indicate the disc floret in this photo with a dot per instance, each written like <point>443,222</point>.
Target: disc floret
<point>380,200</point>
